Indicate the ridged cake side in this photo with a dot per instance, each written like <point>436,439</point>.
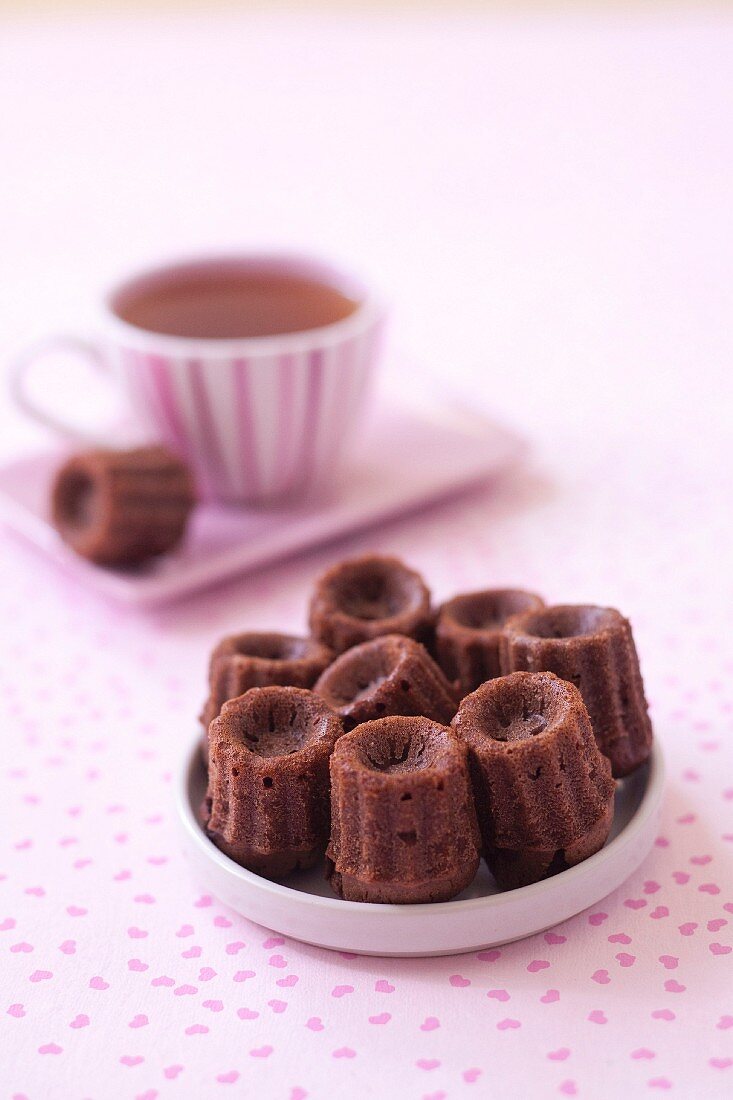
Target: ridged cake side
<point>403,825</point>
<point>539,779</point>
<point>267,803</point>
<point>513,868</point>
<point>261,659</point>
<point>123,507</point>
<point>468,633</point>
<point>593,648</point>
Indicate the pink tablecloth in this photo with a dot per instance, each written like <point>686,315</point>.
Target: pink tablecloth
<point>549,204</point>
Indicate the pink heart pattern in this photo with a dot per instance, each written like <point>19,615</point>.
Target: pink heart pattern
<point>131,967</point>
<point>229,1078</point>
<point>458,981</point>
<point>669,962</point>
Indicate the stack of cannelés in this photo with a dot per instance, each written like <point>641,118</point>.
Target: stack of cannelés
<point>406,743</point>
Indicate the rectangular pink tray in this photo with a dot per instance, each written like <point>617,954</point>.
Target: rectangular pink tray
<point>404,461</point>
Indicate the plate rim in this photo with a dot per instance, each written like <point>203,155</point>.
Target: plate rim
<point>647,808</point>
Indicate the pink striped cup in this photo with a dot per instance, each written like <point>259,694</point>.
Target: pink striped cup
<point>256,418</point>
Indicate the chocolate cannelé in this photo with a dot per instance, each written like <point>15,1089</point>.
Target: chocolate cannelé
<point>403,824</point>
<point>122,507</point>
<point>468,632</point>
<point>593,648</point>
<point>267,800</point>
<point>543,790</point>
<point>366,597</point>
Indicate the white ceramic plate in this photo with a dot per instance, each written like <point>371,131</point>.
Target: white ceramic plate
<point>481,916</point>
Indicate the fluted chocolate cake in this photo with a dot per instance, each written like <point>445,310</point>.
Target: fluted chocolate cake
<point>122,508</point>
<point>543,789</point>
<point>366,597</point>
<point>593,648</point>
<point>403,824</point>
<point>267,800</point>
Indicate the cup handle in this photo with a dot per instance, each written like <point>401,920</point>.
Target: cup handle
<point>19,372</point>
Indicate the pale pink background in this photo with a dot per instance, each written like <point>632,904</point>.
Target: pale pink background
<point>548,203</point>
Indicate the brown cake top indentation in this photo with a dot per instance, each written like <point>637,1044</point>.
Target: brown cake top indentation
<point>391,674</point>
<point>401,746</point>
<point>361,671</point>
<point>374,587</point>
<point>364,597</point>
<point>276,721</point>
<point>487,610</point>
<point>566,621</point>
<point>519,707</point>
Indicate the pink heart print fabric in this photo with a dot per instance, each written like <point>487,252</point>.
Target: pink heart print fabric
<point>122,979</point>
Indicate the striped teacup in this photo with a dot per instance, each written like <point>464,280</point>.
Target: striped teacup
<point>257,418</point>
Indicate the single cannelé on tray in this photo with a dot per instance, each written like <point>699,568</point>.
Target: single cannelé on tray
<point>544,792</point>
<point>403,823</point>
<point>267,800</point>
<point>122,508</point>
<point>593,648</point>
<point>468,631</point>
<point>393,674</point>
<point>366,597</point>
